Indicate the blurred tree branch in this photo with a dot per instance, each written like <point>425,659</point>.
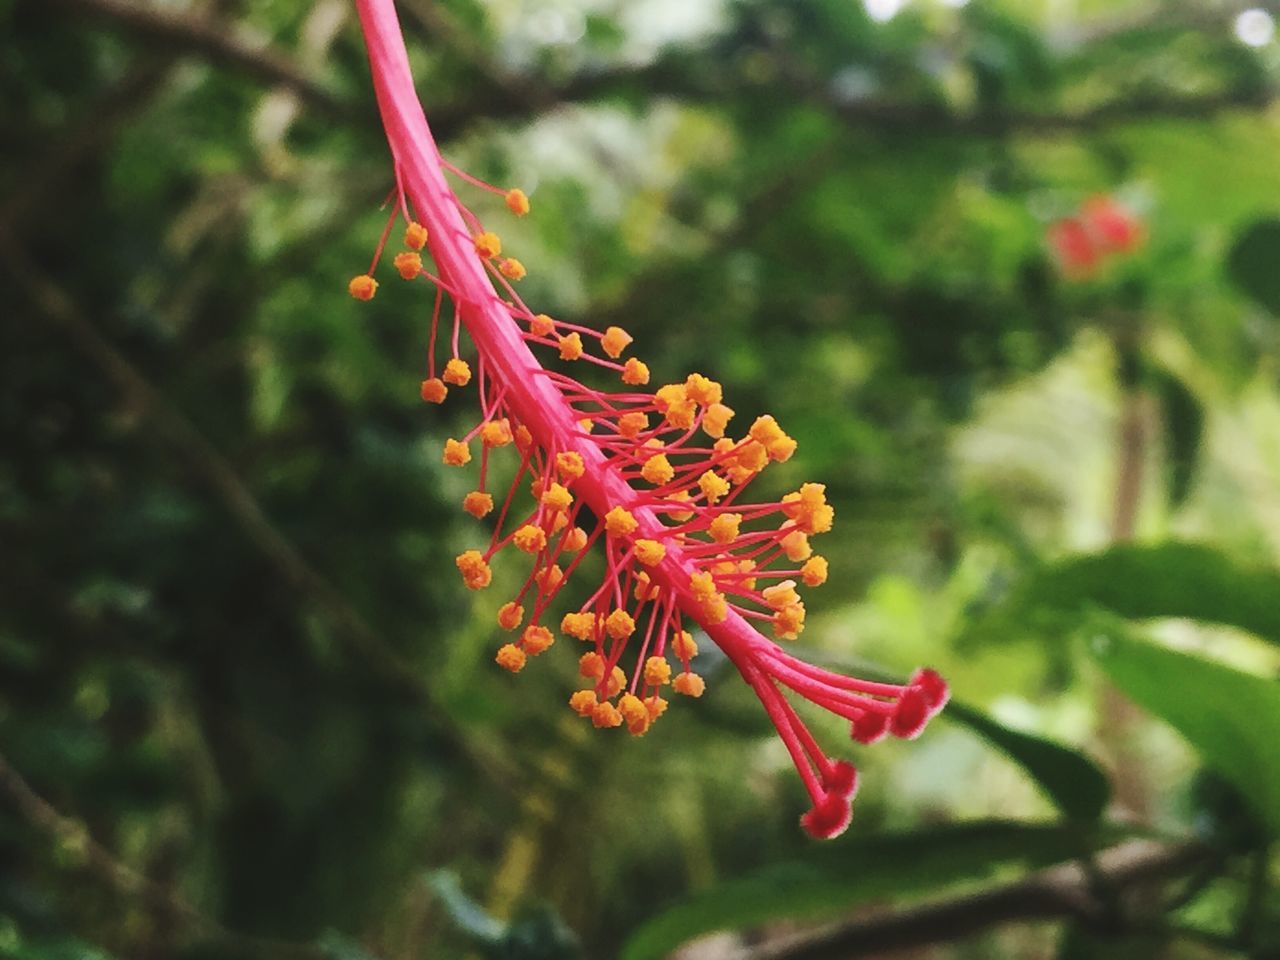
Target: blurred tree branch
<point>1066,892</point>
<point>217,41</point>
<point>222,481</point>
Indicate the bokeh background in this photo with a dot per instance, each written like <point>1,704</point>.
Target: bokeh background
<point>1009,270</point>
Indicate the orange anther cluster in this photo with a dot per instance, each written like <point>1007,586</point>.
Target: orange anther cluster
<point>517,202</point>
<point>488,245</point>
<point>415,236</point>
<point>434,390</point>
<point>408,264</point>
<point>362,287</point>
<point>457,372</point>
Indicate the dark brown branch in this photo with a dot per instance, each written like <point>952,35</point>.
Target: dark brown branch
<point>216,41</point>
<point>1065,892</point>
<point>221,480</point>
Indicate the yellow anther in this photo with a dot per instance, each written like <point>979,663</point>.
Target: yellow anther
<point>702,390</point>
<point>671,393</point>
<point>434,390</point>
<point>529,538</point>
<point>617,680</point>
<point>657,671</point>
<point>583,702</point>
<point>650,552</point>
<point>606,715</point>
<point>536,639</point>
<point>512,269</point>
<point>724,528</point>
<point>408,264</point>
<point>575,539</point>
<point>656,707</point>
<point>496,433</point>
<point>557,498</point>
<point>591,665</point>
<point>765,430</point>
<point>796,546</point>
<point>558,522</point>
<point>620,625</point>
<point>780,450</point>
<point>630,424</point>
<point>570,347</point>
<point>645,588</point>
<point>684,646</point>
<point>582,626</point>
<point>542,325</point>
<point>814,572</point>
<point>549,578</point>
<point>488,245</point>
<point>635,372</point>
<point>789,622</point>
<point>680,516</point>
<point>620,523</point>
<point>362,287</point>
<point>510,657</point>
<point>457,372</point>
<point>456,453</point>
<point>475,572</point>
<point>570,466</point>
<point>587,424</point>
<point>415,236</point>
<point>713,486</point>
<point>477,503</point>
<point>509,615</point>
<point>689,684</point>
<point>780,595</point>
<point>614,341</point>
<point>635,714</point>
<point>523,438</point>
<point>517,202</point>
<point>809,509</point>
<point>703,586</point>
<point>657,470</point>
<point>680,415</point>
<point>746,566</point>
<point>715,420</point>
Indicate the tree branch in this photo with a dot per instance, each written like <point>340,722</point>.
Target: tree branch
<point>1065,892</point>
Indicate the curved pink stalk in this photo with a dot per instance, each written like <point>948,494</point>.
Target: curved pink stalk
<point>675,544</point>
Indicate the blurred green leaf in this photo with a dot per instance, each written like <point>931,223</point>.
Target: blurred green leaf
<point>1072,781</point>
<point>1231,718</point>
<point>1183,419</point>
<point>1254,263</point>
<point>1141,582</point>
<point>837,877</point>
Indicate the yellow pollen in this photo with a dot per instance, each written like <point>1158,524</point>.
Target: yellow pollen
<point>523,438</point>
<point>517,202</point>
<point>614,341</point>
<point>583,702</point>
<point>713,486</point>
<point>606,715</point>
<point>781,595</point>
<point>620,523</point>
<point>496,433</point>
<point>645,589</point>
<point>475,572</point>
<point>657,671</point>
<point>477,503</point>
<point>814,572</point>
<point>657,470</point>
<point>630,424</point>
<point>581,626</point>
<point>456,453</point>
<point>570,466</point>
<point>488,245</point>
<point>684,646</point>
<point>509,615</point>
<point>529,538</point>
<point>591,665</point>
<point>650,552</point>
<point>557,498</point>
<point>434,390</point>
<point>656,707</point>
<point>587,424</point>
<point>680,516</point>
<point>617,680</point>
<point>408,264</point>
<point>671,393</point>
<point>536,639</point>
<point>512,269</point>
<point>457,372</point>
<point>510,657</point>
<point>702,390</point>
<point>716,419</point>
<point>549,578</point>
<point>724,528</point>
<point>415,236</point>
<point>680,415</point>
<point>635,714</point>
<point>796,546</point>
<point>789,622</point>
<point>575,540</point>
<point>542,325</point>
<point>635,372</point>
<point>362,287</point>
<point>689,684</point>
<point>570,347</point>
<point>620,625</point>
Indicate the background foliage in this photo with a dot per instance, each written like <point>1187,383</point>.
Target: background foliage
<point>246,709</point>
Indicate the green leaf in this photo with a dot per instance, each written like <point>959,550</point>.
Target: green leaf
<point>1254,263</point>
<point>1183,421</point>
<point>1230,717</point>
<point>1070,779</point>
<point>1140,581</point>
<point>839,876</point>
